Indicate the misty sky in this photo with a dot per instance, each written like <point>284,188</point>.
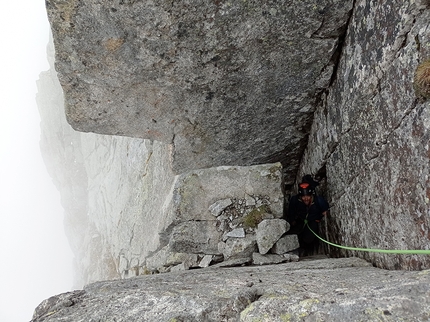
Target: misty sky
<point>36,261</point>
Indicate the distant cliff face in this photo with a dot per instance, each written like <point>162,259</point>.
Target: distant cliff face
<point>238,84</point>
<point>113,190</point>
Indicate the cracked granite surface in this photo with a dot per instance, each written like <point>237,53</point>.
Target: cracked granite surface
<point>371,136</point>
<point>347,289</point>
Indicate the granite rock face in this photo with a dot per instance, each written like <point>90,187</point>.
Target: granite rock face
<point>124,204</point>
<point>236,83</point>
<point>345,289</point>
<point>224,213</point>
<point>371,135</point>
<point>226,83</point>
<point>127,214</point>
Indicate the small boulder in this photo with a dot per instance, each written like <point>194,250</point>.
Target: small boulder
<point>217,207</point>
<point>206,261</point>
<point>234,262</point>
<point>268,233</point>
<point>198,237</point>
<point>164,258</point>
<point>259,259</point>
<point>285,244</point>
<point>236,233</point>
<point>238,247</point>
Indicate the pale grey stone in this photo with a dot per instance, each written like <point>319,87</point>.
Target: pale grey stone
<point>237,233</point>
<point>164,269</point>
<point>292,257</point>
<point>238,247</point>
<point>286,244</point>
<point>165,257</point>
<point>259,259</point>
<point>250,201</point>
<point>234,262</point>
<point>319,290</point>
<point>206,261</point>
<point>268,232</point>
<point>217,207</point>
<point>198,237</point>
<point>179,267</point>
<point>195,191</point>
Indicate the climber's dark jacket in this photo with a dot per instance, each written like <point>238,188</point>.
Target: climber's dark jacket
<point>298,212</point>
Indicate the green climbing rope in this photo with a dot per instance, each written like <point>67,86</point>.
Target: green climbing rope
<point>386,251</point>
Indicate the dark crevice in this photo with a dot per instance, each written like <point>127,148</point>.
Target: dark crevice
<point>320,96</point>
<point>245,298</point>
<point>335,59</point>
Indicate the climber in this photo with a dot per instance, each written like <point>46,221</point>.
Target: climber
<point>306,205</point>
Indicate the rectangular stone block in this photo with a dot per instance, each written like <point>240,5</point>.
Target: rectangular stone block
<point>285,244</point>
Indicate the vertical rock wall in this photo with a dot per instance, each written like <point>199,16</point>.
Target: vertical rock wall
<point>371,135</point>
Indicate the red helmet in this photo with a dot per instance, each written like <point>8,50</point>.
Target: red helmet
<point>305,189</point>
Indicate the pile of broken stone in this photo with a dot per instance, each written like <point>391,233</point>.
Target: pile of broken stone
<point>244,232</point>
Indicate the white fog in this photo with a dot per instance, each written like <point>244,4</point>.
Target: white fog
<point>36,261</point>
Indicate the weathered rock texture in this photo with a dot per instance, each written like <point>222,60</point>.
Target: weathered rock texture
<point>120,196</point>
<point>371,135</point>
<point>227,83</point>
<point>324,290</point>
<point>224,213</point>
<point>239,83</point>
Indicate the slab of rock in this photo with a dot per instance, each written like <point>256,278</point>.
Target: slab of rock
<point>206,261</point>
<point>236,233</point>
<point>198,194</point>
<point>337,290</point>
<point>234,262</point>
<point>268,233</point>
<point>217,207</point>
<point>259,259</point>
<point>198,237</point>
<point>238,247</point>
<point>183,266</point>
<point>165,258</point>
<point>286,244</point>
<point>382,124</point>
<point>228,83</point>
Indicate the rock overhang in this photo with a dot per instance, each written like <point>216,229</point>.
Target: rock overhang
<point>226,83</point>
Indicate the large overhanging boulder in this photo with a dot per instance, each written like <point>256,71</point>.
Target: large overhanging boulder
<point>227,83</point>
